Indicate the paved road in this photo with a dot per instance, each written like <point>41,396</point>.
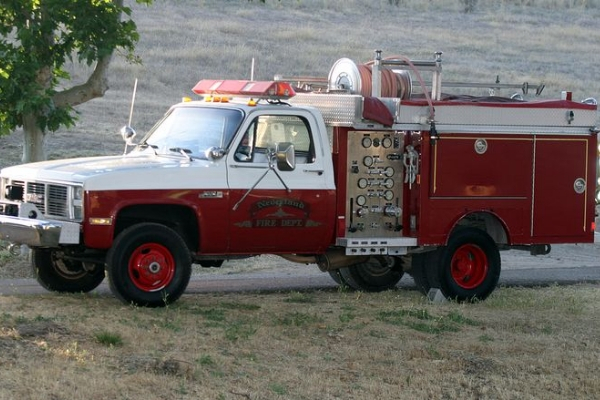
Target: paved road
<point>565,265</point>
<point>283,281</point>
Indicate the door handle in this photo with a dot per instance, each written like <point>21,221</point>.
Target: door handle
<point>316,171</point>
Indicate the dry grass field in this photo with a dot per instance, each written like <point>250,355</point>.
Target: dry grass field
<point>519,344</point>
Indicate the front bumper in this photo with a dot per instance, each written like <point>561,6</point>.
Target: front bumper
<point>38,233</point>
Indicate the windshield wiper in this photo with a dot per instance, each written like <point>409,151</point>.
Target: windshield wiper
<point>146,145</point>
<point>184,152</point>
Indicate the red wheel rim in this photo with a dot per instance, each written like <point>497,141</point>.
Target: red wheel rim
<point>151,267</point>
<point>469,266</point>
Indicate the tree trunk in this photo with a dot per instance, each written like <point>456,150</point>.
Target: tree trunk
<point>33,140</point>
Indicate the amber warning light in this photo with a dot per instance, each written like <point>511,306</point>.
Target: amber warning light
<point>255,89</point>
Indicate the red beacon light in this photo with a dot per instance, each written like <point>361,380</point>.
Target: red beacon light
<point>273,90</point>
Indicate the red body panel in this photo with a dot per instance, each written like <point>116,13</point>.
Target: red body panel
<point>275,222</point>
<point>560,212</point>
<point>265,222</point>
<point>525,181</point>
<point>213,213</point>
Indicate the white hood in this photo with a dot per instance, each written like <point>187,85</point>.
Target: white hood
<point>123,172</point>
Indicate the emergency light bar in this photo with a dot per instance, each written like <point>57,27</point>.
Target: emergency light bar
<point>260,89</point>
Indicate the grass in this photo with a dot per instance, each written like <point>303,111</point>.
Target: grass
<point>265,347</point>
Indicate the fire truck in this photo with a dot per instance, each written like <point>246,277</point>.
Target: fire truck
<point>377,170</point>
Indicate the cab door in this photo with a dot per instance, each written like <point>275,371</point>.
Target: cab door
<point>277,210</point>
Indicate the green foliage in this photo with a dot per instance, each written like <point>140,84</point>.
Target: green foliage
<point>109,339</point>
<point>37,39</point>
<point>301,298</point>
<point>423,321</point>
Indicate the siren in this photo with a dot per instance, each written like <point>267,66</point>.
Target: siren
<point>273,90</point>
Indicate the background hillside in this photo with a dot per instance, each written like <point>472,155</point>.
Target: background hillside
<point>182,41</point>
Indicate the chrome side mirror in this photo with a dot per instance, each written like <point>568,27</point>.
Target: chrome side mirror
<point>127,133</point>
<point>214,153</point>
<point>286,156</point>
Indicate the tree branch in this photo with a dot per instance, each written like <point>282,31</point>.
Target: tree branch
<point>96,86</point>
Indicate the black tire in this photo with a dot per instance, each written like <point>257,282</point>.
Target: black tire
<point>339,279</point>
<point>57,274</point>
<point>418,271</point>
<point>376,274</point>
<point>148,265</point>
<point>336,276</point>
<point>468,268</point>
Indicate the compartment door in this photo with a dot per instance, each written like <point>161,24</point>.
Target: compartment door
<point>561,185</point>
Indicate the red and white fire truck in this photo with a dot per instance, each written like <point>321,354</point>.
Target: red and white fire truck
<point>375,171</point>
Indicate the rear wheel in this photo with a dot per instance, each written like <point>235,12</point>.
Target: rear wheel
<point>468,268</point>
<point>376,274</point>
<point>336,275</point>
<point>148,265</point>
<point>58,274</point>
<point>418,271</point>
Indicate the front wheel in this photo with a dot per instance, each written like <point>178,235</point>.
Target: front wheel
<point>148,265</point>
<point>57,273</point>
<point>468,268</point>
<point>376,274</point>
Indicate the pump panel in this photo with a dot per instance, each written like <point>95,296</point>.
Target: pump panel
<point>375,179</point>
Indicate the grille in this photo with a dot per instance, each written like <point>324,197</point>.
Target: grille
<point>57,201</point>
<point>49,199</point>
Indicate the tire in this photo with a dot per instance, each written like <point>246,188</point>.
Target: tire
<point>336,276</point>
<point>57,274</point>
<point>468,268</point>
<point>418,271</point>
<point>339,279</point>
<point>148,265</point>
<point>376,274</point>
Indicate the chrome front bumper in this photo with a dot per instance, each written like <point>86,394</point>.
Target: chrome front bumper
<point>38,233</point>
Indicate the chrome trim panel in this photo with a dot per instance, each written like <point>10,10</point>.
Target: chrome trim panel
<point>38,233</point>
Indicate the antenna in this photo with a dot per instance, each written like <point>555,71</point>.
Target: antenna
<point>132,102</point>
<point>127,131</point>
<point>252,70</point>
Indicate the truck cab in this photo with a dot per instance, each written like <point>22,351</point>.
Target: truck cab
<point>225,178</point>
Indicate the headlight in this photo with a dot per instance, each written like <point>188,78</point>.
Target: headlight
<point>78,193</point>
<point>77,203</point>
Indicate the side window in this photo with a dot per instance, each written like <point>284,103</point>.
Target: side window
<point>275,129</point>
<point>245,150</point>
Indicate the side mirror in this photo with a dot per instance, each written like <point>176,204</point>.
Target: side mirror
<point>286,156</point>
<point>214,153</point>
<point>128,133</point>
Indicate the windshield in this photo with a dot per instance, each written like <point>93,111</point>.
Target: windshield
<point>193,130</point>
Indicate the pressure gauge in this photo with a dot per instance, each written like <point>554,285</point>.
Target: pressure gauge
<point>388,195</point>
<point>368,161</point>
<point>388,171</point>
<point>363,183</point>
<point>366,142</point>
<point>388,183</point>
<point>386,142</point>
<point>361,200</point>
